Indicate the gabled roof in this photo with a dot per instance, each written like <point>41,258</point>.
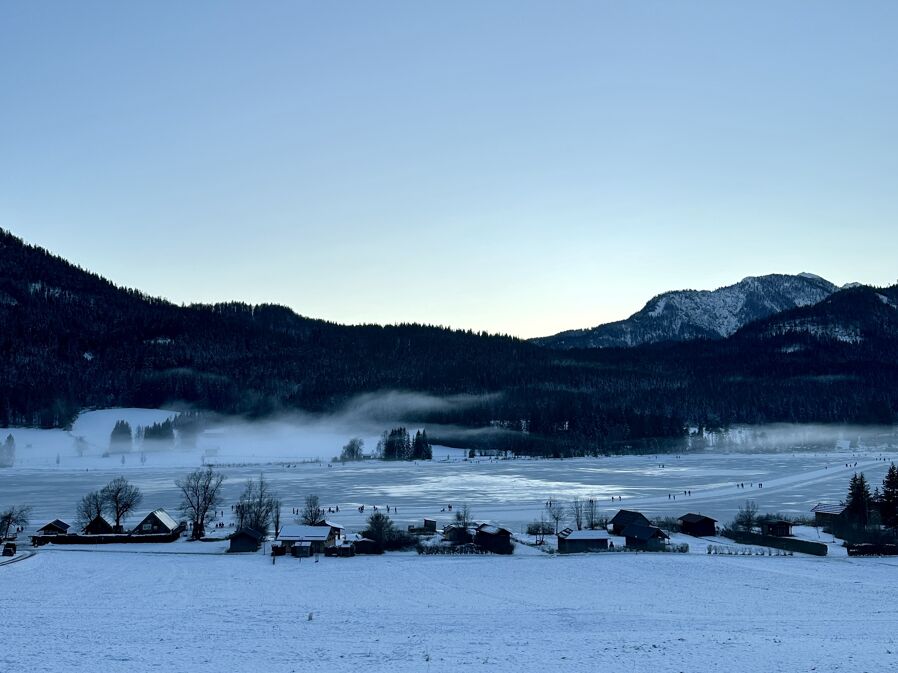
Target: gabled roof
<point>164,518</point>
<point>331,524</point>
<point>695,518</point>
<point>59,524</point>
<point>644,533</point>
<point>490,529</point>
<point>826,508</point>
<point>250,532</point>
<point>99,518</point>
<point>626,516</point>
<point>296,532</point>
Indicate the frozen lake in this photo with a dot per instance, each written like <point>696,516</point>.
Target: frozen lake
<point>510,492</point>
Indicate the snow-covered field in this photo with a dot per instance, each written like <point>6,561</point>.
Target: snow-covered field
<point>68,610</point>
<point>188,606</point>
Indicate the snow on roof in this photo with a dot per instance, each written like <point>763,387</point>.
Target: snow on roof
<point>296,532</point>
<point>251,532</point>
<point>826,508</point>
<point>164,518</point>
<point>490,529</point>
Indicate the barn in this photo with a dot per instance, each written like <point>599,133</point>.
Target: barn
<point>581,541</point>
<point>157,522</point>
<point>55,527</point>
<point>698,525</point>
<point>644,537</point>
<point>625,518</point>
<point>494,539</point>
<point>827,516</point>
<point>778,528</point>
<point>99,525</point>
<point>457,534</point>
<point>308,539</point>
<point>245,540</point>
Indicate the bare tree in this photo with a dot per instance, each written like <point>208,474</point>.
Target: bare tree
<point>577,512</point>
<point>311,511</point>
<point>121,498</point>
<point>200,498</point>
<point>464,516</point>
<point>13,516</point>
<point>353,450</point>
<point>89,508</point>
<point>555,512</point>
<point>592,514</point>
<point>256,506</point>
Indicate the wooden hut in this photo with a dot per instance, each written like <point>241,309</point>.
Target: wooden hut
<point>827,515</point>
<point>698,525</point>
<point>778,528</point>
<point>99,525</point>
<point>157,522</point>
<point>55,527</point>
<point>644,537</point>
<point>625,518</point>
<point>245,540</point>
<point>316,538</point>
<point>582,541</point>
<point>494,539</point>
<point>457,534</point>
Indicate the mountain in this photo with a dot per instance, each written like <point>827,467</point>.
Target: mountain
<point>684,315</point>
<point>71,340</point>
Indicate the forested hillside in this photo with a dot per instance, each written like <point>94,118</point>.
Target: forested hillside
<point>70,340</point>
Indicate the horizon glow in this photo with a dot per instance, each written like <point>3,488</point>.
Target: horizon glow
<point>513,167</point>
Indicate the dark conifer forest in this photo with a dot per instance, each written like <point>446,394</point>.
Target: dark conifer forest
<point>70,340</point>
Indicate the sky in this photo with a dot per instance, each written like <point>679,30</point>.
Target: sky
<point>517,167</point>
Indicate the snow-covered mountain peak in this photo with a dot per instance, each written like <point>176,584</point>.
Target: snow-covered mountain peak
<point>683,315</point>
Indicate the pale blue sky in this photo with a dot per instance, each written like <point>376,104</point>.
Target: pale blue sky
<point>512,166</point>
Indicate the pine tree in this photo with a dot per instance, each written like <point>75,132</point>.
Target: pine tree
<point>858,501</point>
<point>888,505</point>
<point>120,438</point>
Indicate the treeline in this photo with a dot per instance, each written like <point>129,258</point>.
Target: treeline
<point>71,340</point>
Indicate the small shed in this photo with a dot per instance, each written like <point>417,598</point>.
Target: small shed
<point>626,517</point>
<point>301,549</point>
<point>245,540</point>
<point>55,527</point>
<point>157,522</point>
<point>827,515</point>
<point>99,525</point>
<point>778,528</point>
<point>698,525</point>
<point>316,537</point>
<point>362,545</point>
<point>582,541</point>
<point>494,539</point>
<point>644,537</point>
<point>457,534</point>
<point>430,525</point>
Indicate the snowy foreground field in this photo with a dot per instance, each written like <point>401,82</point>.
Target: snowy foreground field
<point>67,610</point>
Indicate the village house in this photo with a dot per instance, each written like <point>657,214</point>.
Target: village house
<point>625,518</point>
<point>698,525</point>
<point>494,539</point>
<point>828,516</point>
<point>644,537</point>
<point>778,528</point>
<point>55,527</point>
<point>301,540</point>
<point>157,522</point>
<point>457,534</point>
<point>99,525</point>
<point>245,540</point>
<point>581,541</point>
